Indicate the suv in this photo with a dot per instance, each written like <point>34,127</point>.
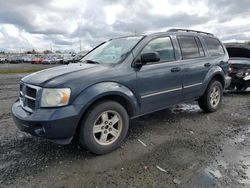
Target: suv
<point>120,79</point>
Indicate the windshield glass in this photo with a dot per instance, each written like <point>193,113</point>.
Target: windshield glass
<point>113,51</point>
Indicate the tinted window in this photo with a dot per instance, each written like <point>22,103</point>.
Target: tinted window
<point>189,47</point>
<point>214,46</point>
<point>201,50</point>
<point>163,46</point>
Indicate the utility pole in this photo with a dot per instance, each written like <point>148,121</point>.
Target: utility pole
<point>135,32</point>
<point>80,45</point>
<point>51,47</point>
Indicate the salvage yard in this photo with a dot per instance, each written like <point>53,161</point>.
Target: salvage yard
<point>177,147</point>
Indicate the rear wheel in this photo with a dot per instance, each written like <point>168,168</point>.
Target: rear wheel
<point>212,98</point>
<point>104,128</point>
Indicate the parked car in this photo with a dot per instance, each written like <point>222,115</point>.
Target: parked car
<point>120,79</point>
<point>27,59</point>
<point>37,60</point>
<point>3,59</point>
<point>67,58</point>
<point>58,59</point>
<point>77,58</point>
<point>48,60</point>
<point>239,67</point>
<point>14,59</point>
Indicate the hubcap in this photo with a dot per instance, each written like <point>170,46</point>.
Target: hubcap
<point>107,128</point>
<point>215,96</point>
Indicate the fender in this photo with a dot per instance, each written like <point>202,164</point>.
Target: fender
<point>99,90</point>
<point>214,71</point>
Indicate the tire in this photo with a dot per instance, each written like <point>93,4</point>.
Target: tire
<point>104,127</point>
<point>208,102</point>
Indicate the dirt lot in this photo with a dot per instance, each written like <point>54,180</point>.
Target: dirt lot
<point>177,147</point>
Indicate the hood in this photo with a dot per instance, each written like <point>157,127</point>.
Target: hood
<point>53,77</point>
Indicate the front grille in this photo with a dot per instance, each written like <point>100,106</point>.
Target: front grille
<point>28,96</point>
<point>31,92</point>
<point>31,104</point>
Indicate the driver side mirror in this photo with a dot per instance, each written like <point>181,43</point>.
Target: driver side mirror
<point>148,57</point>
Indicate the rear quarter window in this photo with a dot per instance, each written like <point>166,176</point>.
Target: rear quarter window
<point>189,47</point>
<point>214,46</point>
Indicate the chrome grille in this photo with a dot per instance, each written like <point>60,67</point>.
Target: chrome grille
<point>28,96</point>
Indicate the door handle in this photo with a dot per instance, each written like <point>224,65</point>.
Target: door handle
<point>207,64</point>
<point>176,69</point>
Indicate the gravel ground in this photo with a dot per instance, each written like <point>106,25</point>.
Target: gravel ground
<point>177,147</point>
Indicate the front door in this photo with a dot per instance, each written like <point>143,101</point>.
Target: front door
<point>160,83</point>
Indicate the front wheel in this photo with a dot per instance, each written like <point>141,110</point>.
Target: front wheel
<point>104,127</point>
<point>212,98</point>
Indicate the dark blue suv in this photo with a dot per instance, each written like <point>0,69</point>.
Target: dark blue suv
<point>120,79</point>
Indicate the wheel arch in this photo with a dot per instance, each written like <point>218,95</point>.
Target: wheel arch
<point>219,78</point>
<point>107,91</point>
<point>113,97</point>
<point>215,73</point>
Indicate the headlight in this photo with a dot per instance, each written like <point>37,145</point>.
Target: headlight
<point>55,97</point>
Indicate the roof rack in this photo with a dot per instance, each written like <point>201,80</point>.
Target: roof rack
<point>188,30</point>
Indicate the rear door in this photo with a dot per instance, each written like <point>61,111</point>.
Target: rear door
<point>195,65</point>
<point>216,52</point>
<point>159,84</point>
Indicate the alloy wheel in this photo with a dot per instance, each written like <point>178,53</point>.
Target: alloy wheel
<point>215,96</point>
<point>107,128</point>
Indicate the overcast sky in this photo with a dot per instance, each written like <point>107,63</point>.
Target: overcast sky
<point>61,24</point>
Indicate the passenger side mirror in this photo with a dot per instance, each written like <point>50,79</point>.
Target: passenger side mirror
<point>148,57</point>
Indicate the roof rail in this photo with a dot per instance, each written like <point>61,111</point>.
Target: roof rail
<point>188,30</point>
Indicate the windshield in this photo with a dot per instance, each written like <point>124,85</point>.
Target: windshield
<point>113,51</point>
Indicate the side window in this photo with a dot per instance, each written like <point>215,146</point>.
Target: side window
<point>163,46</point>
<point>189,47</point>
<point>214,46</point>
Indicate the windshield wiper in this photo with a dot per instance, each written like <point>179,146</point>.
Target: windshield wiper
<point>91,61</point>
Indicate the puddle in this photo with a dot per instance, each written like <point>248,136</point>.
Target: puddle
<point>190,108</point>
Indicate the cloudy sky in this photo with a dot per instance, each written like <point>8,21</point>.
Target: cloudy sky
<point>62,24</point>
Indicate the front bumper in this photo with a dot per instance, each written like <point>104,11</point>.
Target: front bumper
<point>56,124</point>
